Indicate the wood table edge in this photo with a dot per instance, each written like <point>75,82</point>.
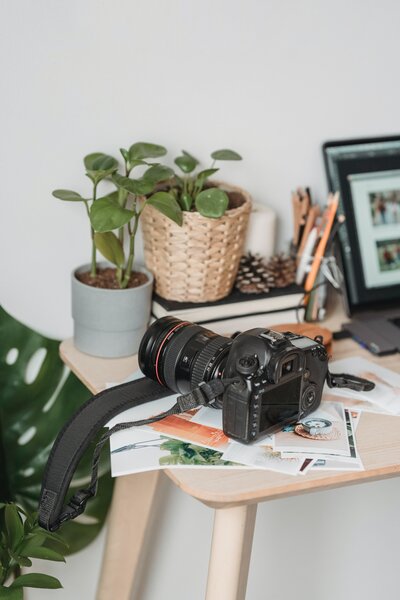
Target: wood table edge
<point>330,482</point>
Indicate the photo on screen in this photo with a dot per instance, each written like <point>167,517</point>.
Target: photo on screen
<point>376,208</point>
<point>388,254</point>
<point>385,207</point>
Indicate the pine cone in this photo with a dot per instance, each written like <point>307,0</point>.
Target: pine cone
<point>252,277</point>
<point>282,269</point>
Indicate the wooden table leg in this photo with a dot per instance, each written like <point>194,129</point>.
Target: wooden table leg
<point>230,552</point>
<point>128,524</point>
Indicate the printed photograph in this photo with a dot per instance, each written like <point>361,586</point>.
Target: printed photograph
<point>388,254</point>
<point>336,443</point>
<point>385,207</point>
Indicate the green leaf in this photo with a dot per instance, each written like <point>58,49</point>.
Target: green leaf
<point>99,166</point>
<point>41,406</point>
<point>2,505</point>
<point>158,173</point>
<point>30,542</point>
<point>138,162</point>
<point>14,526</point>
<point>36,580</point>
<point>190,156</point>
<point>186,201</point>
<point>125,154</point>
<point>110,247</point>
<point>97,161</point>
<point>44,553</point>
<point>186,163</point>
<point>203,176</point>
<point>106,214</point>
<point>8,593</point>
<point>212,203</point>
<point>50,536</point>
<point>68,195</point>
<point>139,187</point>
<point>225,155</point>
<point>167,205</point>
<point>142,150</point>
<point>23,561</point>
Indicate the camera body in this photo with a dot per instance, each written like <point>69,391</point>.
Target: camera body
<point>280,380</point>
<point>279,377</point>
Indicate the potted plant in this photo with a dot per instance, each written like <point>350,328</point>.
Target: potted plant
<point>21,539</point>
<point>198,261</point>
<point>110,300</point>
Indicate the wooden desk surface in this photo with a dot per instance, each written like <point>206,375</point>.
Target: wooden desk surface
<point>378,441</point>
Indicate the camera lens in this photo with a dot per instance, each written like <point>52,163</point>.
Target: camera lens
<point>180,355</point>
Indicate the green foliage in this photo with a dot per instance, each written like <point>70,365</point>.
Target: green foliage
<point>136,187</point>
<point>106,214</point>
<point>21,539</point>
<point>120,211</point>
<point>99,166</point>
<point>142,150</point>
<point>186,162</point>
<point>68,195</point>
<point>32,412</point>
<point>37,580</point>
<point>167,205</point>
<point>212,203</point>
<point>225,155</point>
<point>110,247</point>
<point>190,188</point>
<point>156,174</point>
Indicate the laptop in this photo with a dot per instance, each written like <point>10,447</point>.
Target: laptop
<point>366,173</point>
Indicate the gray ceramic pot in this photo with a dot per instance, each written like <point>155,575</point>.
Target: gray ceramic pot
<point>110,323</point>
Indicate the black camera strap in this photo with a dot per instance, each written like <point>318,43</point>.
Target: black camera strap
<point>85,424</point>
<point>352,382</point>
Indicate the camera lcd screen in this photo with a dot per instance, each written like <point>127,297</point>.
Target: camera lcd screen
<point>280,403</point>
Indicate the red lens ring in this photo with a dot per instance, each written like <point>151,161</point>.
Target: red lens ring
<point>162,344</point>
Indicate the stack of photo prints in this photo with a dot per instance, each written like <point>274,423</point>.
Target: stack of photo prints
<point>195,439</point>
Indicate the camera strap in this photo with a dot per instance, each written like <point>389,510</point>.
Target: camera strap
<point>344,380</point>
<point>82,429</point>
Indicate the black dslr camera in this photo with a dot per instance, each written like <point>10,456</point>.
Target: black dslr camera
<point>277,377</point>
<point>261,379</point>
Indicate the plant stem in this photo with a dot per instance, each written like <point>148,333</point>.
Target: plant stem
<point>4,480</point>
<point>16,571</point>
<point>93,270</point>
<point>131,256</point>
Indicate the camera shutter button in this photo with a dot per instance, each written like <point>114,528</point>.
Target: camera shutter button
<point>247,364</point>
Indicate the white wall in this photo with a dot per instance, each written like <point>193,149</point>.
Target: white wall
<point>271,79</point>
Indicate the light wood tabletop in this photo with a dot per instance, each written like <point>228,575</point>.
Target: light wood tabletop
<point>235,494</point>
<point>378,440</point>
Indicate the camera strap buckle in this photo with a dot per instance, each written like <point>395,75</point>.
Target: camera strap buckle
<point>204,395</point>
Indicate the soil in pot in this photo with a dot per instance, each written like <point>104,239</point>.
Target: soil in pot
<point>106,279</point>
<point>236,199</point>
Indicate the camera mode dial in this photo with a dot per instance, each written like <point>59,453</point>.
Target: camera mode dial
<point>247,364</point>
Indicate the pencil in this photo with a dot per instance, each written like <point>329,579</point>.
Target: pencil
<point>319,254</point>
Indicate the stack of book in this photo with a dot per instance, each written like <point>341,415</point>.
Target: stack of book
<point>238,311</point>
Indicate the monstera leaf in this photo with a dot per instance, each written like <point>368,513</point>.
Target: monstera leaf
<point>38,395</point>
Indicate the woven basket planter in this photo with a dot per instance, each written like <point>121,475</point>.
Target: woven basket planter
<point>197,262</point>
